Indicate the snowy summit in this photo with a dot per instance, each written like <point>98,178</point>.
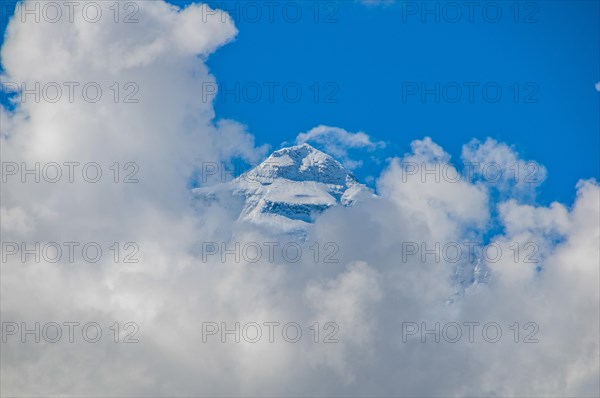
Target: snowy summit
<point>289,189</point>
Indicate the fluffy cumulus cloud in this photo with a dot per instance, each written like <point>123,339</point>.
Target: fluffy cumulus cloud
<point>501,166</point>
<point>369,286</point>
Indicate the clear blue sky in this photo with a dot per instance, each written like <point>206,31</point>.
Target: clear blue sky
<point>368,53</point>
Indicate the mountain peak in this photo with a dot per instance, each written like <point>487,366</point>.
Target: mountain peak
<point>292,187</point>
<point>301,163</point>
<point>302,150</point>
<point>298,147</point>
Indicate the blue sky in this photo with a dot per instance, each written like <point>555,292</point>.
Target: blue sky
<point>363,55</point>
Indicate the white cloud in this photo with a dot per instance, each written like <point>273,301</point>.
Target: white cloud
<point>499,165</point>
<point>337,141</point>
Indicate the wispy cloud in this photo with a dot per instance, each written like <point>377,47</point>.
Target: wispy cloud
<point>337,141</point>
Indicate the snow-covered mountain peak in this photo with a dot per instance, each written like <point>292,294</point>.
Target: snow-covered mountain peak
<point>289,189</point>
<point>300,163</point>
